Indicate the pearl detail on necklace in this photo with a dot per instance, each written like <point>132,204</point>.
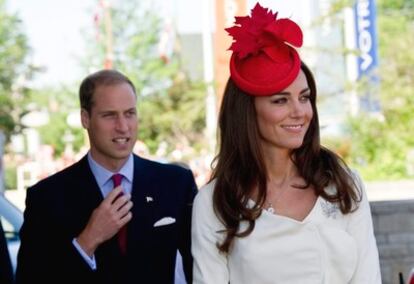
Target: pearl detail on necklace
<point>270,209</point>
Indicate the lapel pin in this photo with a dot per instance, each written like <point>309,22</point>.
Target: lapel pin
<point>149,199</point>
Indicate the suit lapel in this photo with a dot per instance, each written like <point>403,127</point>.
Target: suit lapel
<point>87,186</point>
<point>87,197</point>
<point>82,194</point>
<point>142,194</point>
<point>144,199</point>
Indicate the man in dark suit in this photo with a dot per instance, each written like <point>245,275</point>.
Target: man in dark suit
<point>112,217</point>
<point>6,271</point>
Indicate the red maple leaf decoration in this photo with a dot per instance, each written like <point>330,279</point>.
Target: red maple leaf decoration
<point>262,31</point>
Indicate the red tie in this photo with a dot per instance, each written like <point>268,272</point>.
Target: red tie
<point>122,234</point>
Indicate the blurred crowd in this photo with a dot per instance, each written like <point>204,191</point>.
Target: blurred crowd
<point>44,163</point>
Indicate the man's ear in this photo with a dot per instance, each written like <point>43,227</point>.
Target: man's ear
<point>84,118</point>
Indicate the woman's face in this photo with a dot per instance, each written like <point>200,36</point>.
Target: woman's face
<point>284,118</point>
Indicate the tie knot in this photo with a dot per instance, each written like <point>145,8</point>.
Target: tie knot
<point>117,178</point>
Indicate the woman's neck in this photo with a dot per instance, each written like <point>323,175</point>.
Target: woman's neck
<point>279,166</point>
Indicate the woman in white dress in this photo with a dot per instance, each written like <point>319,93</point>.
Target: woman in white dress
<point>280,208</point>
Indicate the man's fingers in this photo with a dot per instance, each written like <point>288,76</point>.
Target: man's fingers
<point>121,201</point>
<point>124,220</point>
<point>115,210</point>
<point>114,194</point>
<point>125,209</point>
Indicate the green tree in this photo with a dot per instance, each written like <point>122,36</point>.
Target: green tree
<point>59,102</point>
<point>381,146</point>
<point>170,104</point>
<point>384,147</point>
<point>14,70</point>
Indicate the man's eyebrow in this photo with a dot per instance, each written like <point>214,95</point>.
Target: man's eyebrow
<point>107,111</point>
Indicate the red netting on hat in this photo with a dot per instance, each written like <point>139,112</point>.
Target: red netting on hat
<point>264,60</point>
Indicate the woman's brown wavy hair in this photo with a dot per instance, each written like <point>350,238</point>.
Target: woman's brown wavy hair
<point>240,168</point>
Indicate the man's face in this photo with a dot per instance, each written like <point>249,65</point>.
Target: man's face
<point>111,125</point>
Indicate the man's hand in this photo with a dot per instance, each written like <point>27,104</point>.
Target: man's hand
<point>106,220</point>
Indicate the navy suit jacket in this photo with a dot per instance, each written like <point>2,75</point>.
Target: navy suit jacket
<point>58,209</point>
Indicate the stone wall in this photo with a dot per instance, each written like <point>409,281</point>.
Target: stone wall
<point>394,230</point>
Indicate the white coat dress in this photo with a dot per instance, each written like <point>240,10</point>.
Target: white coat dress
<point>327,247</point>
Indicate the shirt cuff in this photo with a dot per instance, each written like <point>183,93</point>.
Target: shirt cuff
<point>89,260</point>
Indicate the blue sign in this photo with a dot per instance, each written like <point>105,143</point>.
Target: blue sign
<point>366,35</point>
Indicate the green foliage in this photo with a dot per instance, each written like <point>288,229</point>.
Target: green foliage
<point>58,134</point>
<point>395,5</point>
<point>10,177</point>
<point>59,102</point>
<point>178,115</point>
<point>377,152</point>
<point>383,147</point>
<point>14,70</point>
<point>170,104</point>
<point>135,37</point>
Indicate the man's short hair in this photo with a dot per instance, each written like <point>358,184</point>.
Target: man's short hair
<point>97,79</point>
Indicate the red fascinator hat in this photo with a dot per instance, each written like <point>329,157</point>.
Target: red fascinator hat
<point>264,60</point>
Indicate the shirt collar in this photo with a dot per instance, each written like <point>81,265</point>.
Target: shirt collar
<point>102,175</point>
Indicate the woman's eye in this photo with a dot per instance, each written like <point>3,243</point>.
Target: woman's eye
<point>279,101</point>
<point>305,98</point>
